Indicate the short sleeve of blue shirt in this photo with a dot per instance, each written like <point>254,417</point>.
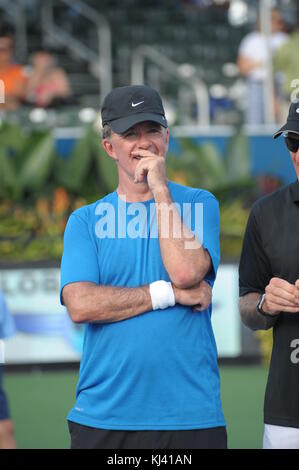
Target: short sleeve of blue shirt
<point>80,260</point>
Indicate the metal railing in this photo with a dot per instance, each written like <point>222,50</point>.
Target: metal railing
<point>15,12</point>
<point>199,88</point>
<point>268,85</point>
<point>101,62</point>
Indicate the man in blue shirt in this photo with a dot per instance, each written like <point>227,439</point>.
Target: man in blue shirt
<point>137,269</point>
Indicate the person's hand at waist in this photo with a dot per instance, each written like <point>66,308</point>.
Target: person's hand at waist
<point>297,292</point>
<point>281,296</point>
<point>199,296</point>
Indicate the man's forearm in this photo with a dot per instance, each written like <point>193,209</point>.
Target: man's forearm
<point>88,302</point>
<point>250,315</point>
<point>184,258</point>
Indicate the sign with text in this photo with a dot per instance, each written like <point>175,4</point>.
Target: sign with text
<point>45,332</point>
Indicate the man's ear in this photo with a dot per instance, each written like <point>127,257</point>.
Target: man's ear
<point>167,137</point>
<point>166,140</point>
<point>108,146</point>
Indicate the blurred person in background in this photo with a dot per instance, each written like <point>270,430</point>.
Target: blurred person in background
<point>148,376</point>
<point>286,66</point>
<point>13,75</point>
<point>7,329</point>
<point>269,294</point>
<point>252,57</point>
<point>48,84</point>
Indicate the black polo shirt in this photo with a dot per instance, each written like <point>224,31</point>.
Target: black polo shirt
<point>271,249</point>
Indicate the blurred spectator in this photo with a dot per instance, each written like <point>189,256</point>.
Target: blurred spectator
<point>13,75</point>
<point>252,64</point>
<point>7,328</point>
<point>286,66</point>
<point>48,84</point>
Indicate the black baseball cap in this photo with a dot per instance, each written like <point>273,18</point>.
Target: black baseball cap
<point>126,106</point>
<point>292,124</point>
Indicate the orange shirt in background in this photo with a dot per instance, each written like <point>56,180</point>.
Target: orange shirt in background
<point>14,79</point>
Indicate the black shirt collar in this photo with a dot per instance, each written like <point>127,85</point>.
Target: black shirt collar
<point>295,191</point>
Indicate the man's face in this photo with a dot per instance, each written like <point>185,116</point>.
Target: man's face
<point>143,136</point>
<point>293,139</point>
<point>277,23</point>
<point>6,50</point>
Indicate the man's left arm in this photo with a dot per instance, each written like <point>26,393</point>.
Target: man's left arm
<point>185,259</point>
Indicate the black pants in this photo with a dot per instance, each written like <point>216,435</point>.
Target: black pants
<point>85,437</point>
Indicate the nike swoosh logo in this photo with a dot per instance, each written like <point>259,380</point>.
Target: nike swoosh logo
<point>136,104</point>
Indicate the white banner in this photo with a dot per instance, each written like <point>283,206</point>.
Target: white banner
<point>225,317</point>
<point>45,332</point>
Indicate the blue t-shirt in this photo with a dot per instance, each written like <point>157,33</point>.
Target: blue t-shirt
<point>157,370</point>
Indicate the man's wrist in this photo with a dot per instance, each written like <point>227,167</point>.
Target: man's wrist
<point>161,193</point>
<point>176,292</point>
<point>262,309</point>
<point>162,295</point>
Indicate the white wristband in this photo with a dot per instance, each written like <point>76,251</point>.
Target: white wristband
<point>162,294</point>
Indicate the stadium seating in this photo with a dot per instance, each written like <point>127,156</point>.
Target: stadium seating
<point>202,37</point>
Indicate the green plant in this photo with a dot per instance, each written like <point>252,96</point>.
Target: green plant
<point>35,182</point>
<point>25,161</point>
<point>204,166</point>
<point>227,177</point>
<point>30,166</point>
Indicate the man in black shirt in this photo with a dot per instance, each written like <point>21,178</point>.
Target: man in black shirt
<point>269,294</point>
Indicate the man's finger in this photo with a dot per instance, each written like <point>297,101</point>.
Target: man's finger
<point>282,283</point>
<point>289,309</point>
<point>279,307</point>
<point>144,163</point>
<point>281,298</point>
<point>283,291</point>
<point>198,308</point>
<point>140,174</point>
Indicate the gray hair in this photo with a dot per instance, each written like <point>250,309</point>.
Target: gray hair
<point>106,131</point>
